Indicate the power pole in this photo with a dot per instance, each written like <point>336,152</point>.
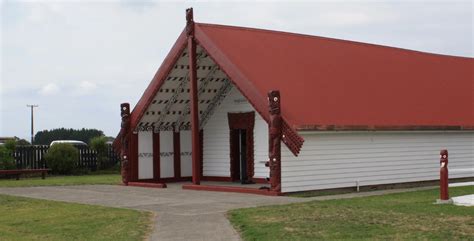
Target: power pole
<point>32,118</point>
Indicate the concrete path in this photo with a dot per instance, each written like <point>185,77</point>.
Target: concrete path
<point>180,214</point>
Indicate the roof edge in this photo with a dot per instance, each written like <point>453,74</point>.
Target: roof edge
<point>158,79</point>
<point>294,141</point>
<point>336,40</point>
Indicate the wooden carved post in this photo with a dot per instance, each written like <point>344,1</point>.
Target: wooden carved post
<point>443,176</point>
<point>274,138</point>
<point>124,154</point>
<point>196,155</point>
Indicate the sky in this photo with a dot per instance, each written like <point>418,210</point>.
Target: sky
<point>78,60</point>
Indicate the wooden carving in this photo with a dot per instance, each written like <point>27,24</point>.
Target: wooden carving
<point>443,173</point>
<point>274,138</point>
<point>124,154</point>
<point>189,22</point>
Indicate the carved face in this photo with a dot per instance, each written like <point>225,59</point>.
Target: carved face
<point>189,14</point>
<point>443,156</point>
<point>274,102</point>
<point>124,110</point>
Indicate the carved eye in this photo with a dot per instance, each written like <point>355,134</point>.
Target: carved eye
<point>275,99</point>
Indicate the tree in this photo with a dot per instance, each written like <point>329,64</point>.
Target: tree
<point>47,136</point>
<point>62,158</point>
<point>7,161</point>
<point>23,142</point>
<point>99,144</point>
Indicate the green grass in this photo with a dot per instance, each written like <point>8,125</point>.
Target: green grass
<point>33,219</point>
<point>402,216</point>
<point>62,180</point>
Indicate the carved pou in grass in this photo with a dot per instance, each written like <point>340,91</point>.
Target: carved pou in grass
<point>274,134</point>
<point>443,174</point>
<point>124,153</point>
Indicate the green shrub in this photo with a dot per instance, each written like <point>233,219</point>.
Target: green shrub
<point>62,158</point>
<point>7,162</point>
<point>99,144</point>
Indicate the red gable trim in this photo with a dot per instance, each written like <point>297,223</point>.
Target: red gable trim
<point>158,80</point>
<point>291,138</point>
<point>240,81</point>
<point>245,86</point>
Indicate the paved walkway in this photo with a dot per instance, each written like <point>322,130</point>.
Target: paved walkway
<point>180,214</point>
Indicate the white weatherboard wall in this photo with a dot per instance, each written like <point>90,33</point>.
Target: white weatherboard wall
<point>145,155</point>
<point>339,159</point>
<point>186,151</point>
<point>166,154</point>
<point>216,151</point>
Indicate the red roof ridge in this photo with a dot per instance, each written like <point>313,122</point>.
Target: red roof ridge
<point>334,40</point>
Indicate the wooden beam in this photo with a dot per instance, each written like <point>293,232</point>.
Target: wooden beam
<point>177,154</point>
<point>156,155</point>
<point>193,97</point>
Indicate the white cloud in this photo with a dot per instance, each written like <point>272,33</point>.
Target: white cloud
<point>345,18</point>
<point>49,89</point>
<point>85,88</point>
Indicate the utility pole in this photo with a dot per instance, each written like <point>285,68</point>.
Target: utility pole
<point>32,117</point>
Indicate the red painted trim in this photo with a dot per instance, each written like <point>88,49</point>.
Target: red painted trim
<point>193,96</point>
<point>230,189</point>
<point>378,127</point>
<point>156,156</point>
<point>174,179</point>
<point>158,79</point>
<point>259,180</point>
<point>229,179</point>
<point>216,179</point>
<point>134,157</point>
<point>246,87</point>
<point>239,80</point>
<point>147,184</point>
<point>177,154</point>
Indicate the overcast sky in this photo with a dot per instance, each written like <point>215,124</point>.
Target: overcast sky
<point>79,60</point>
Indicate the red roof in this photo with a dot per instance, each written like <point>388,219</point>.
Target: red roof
<point>330,84</point>
<point>325,83</point>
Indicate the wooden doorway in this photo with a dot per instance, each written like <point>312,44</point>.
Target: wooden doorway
<point>241,127</point>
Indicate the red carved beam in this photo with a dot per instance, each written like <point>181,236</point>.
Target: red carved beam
<point>275,126</point>
<point>443,174</point>
<point>193,97</point>
<point>125,140</point>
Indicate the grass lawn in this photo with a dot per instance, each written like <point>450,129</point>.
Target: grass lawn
<point>33,219</point>
<point>401,216</point>
<point>62,180</point>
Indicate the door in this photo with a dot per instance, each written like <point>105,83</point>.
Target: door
<point>241,146</point>
<point>239,155</point>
